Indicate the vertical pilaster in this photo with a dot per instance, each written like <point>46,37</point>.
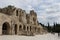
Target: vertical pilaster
<point>17,29</point>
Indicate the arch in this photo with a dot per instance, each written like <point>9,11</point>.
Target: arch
<point>24,27</point>
<point>16,12</point>
<point>30,28</point>
<point>27,28</point>
<point>15,28</point>
<point>6,28</point>
<point>20,27</point>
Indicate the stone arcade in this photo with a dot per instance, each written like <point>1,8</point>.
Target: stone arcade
<point>15,21</point>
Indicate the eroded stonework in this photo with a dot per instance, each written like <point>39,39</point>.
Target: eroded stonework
<point>15,21</point>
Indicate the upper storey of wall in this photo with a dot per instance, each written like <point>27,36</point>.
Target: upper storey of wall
<point>11,10</point>
<point>33,13</point>
<point>7,10</point>
<point>20,14</point>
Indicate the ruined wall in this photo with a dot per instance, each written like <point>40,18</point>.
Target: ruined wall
<point>25,23</point>
<point>33,16</point>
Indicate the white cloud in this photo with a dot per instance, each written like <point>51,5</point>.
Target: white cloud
<point>46,9</point>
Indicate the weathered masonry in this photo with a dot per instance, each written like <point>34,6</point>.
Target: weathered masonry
<point>15,21</point>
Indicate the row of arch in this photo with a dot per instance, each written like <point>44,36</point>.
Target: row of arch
<point>26,28</point>
<point>29,28</point>
<point>6,28</point>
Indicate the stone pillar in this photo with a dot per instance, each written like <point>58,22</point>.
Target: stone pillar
<point>0,30</point>
<point>12,29</point>
<point>22,27</point>
<point>26,28</point>
<point>33,30</point>
<point>36,30</point>
<point>39,30</point>
<point>17,29</point>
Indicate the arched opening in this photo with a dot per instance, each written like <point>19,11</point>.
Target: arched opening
<point>16,12</point>
<point>15,28</point>
<point>27,28</point>
<point>20,27</point>
<point>24,27</point>
<point>30,28</point>
<point>5,28</point>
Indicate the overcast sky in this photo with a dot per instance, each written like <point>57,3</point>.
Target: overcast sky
<point>47,10</point>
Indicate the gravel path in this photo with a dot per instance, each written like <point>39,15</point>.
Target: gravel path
<point>37,37</point>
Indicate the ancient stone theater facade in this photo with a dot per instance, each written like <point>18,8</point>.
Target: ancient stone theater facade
<point>15,21</point>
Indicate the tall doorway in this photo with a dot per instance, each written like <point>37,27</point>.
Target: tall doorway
<point>15,28</point>
<point>5,28</point>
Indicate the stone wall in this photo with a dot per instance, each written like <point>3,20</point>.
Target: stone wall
<point>20,22</point>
